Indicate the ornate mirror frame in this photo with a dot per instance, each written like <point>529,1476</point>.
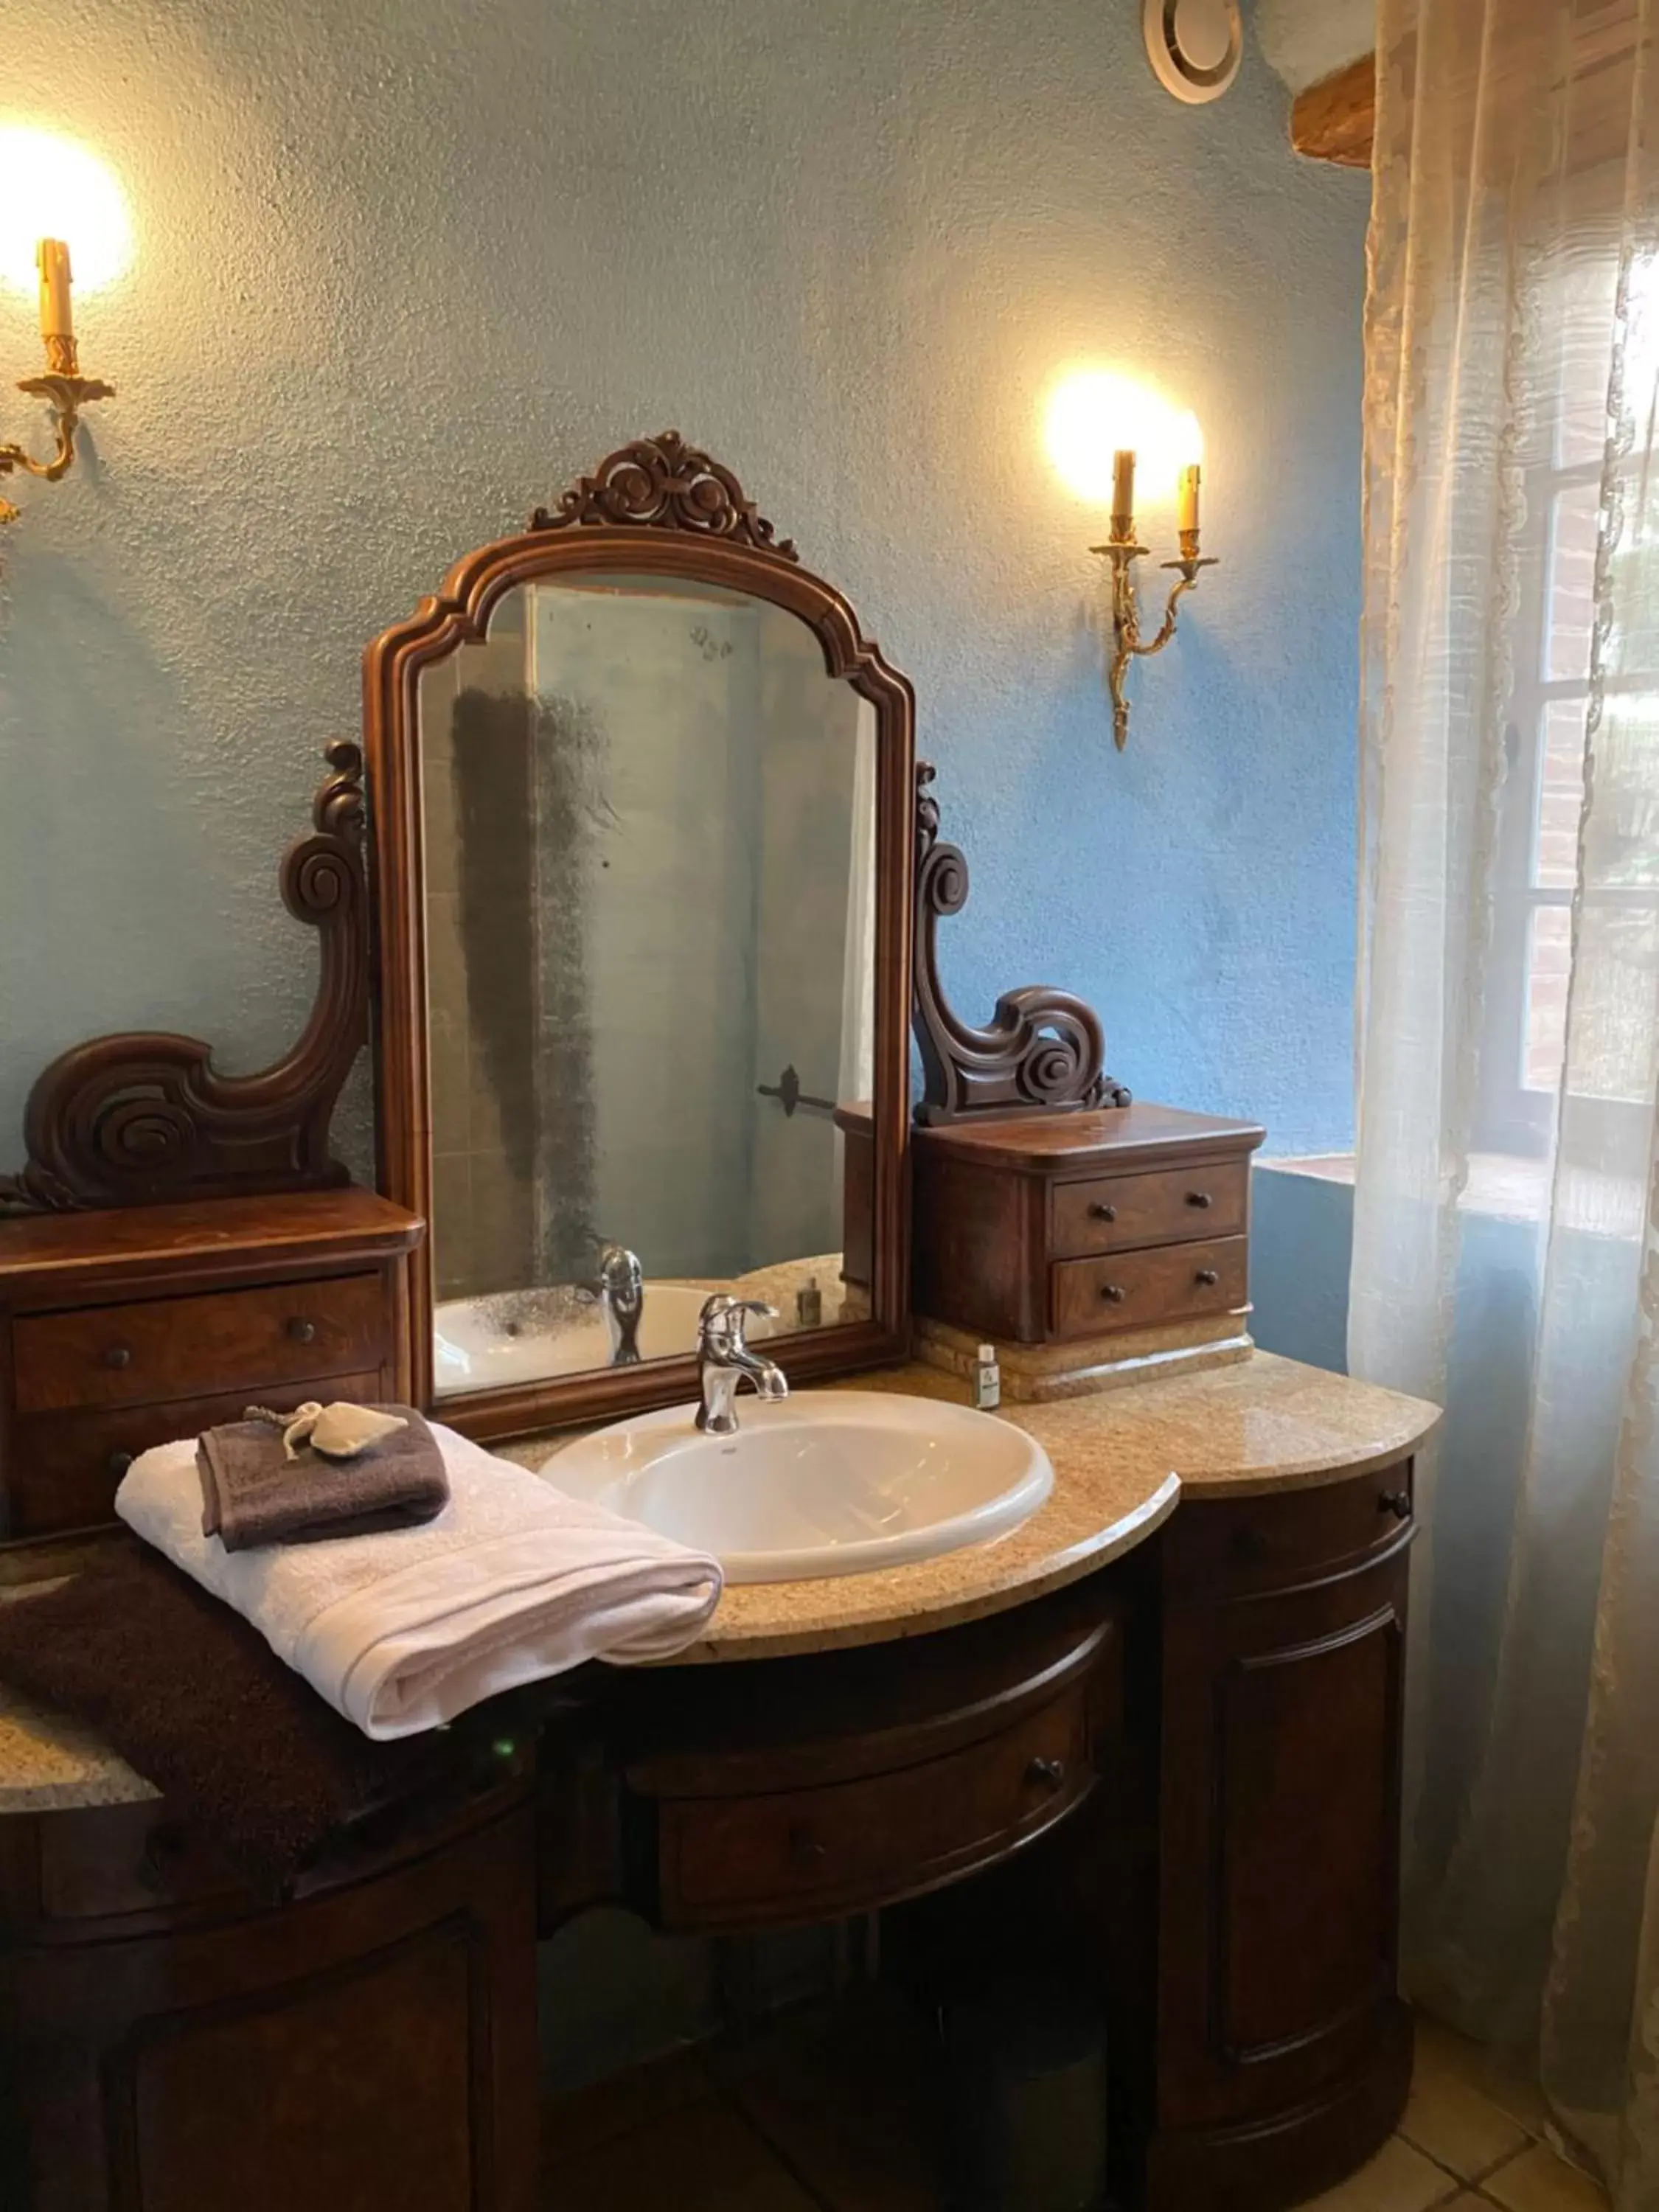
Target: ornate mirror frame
<point>657,507</point>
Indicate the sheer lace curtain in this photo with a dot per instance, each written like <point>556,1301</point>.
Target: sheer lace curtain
<point>1506,1236</point>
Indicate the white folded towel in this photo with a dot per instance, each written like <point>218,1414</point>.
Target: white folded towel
<point>400,1631</point>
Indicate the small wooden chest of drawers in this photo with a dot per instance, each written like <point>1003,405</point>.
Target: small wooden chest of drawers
<point>123,1329</point>
<point>1072,1227</point>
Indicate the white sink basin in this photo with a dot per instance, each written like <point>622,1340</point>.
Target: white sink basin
<point>827,1482</point>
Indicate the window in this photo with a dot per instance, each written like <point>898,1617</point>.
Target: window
<point>1543,803</point>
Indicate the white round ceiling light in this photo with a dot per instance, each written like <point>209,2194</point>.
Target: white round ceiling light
<point>1194,45</point>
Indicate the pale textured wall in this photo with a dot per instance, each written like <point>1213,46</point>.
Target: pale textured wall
<point>405,267</point>
<point>1307,41</point>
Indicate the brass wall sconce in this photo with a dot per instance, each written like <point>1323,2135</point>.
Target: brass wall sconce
<point>63,388</point>
<point>1123,551</point>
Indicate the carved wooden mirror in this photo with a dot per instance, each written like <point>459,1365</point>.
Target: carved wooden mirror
<point>641,796</point>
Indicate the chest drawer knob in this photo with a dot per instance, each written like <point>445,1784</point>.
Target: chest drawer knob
<point>1047,1773</point>
<point>805,1847</point>
<point>118,1462</point>
<point>1112,1293</point>
<point>1397,1502</point>
<point>1101,1211</point>
<point>1206,1278</point>
<point>119,1355</point>
<point>1199,1199</point>
<point>302,1331</point>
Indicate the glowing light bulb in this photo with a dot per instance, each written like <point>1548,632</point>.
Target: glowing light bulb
<point>51,187</point>
<point>1094,413</point>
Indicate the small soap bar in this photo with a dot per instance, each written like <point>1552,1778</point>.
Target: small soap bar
<point>338,1431</point>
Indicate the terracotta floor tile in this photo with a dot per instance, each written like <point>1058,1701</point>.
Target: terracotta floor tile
<point>704,2158</point>
<point>844,2094</point>
<point>1501,2080</point>
<point>582,2119</point>
<point>1539,2181</point>
<point>1398,2179</point>
<point>1454,2122</point>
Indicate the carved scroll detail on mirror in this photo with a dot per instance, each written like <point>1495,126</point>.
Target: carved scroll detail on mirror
<point>141,1118</point>
<point>663,483</point>
<point>1042,1053</point>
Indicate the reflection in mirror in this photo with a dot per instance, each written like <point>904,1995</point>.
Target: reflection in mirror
<point>650,861</point>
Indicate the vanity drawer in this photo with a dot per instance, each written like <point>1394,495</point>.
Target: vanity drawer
<point>63,1469</point>
<point>799,1855</point>
<point>1239,1546</point>
<point>116,1859</point>
<point>1133,1289</point>
<point>134,1355</point>
<point>1112,1213</point>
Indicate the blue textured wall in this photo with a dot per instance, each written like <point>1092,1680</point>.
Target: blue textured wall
<point>405,267</point>
<point>1301,1246</point>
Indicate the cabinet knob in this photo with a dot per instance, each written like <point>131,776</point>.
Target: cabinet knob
<point>119,1355</point>
<point>118,1462</point>
<point>1047,1773</point>
<point>1208,1277</point>
<point>302,1331</point>
<point>1099,1212</point>
<point>1198,1198</point>
<point>1397,1502</point>
<point>1113,1293</point>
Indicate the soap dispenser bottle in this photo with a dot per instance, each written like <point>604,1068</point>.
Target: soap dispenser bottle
<point>987,1380</point>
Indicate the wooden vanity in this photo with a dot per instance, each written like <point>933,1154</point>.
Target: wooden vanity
<point>1164,1717</point>
<point>1148,1739</point>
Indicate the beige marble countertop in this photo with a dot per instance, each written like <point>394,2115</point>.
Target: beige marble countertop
<point>51,1764</point>
<point>1122,1459</point>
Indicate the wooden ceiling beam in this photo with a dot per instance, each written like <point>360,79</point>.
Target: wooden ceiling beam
<point>1336,120</point>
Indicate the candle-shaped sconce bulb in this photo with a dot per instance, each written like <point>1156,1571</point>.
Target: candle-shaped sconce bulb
<point>1187,511</point>
<point>57,317</point>
<point>1123,495</point>
<point>38,170</point>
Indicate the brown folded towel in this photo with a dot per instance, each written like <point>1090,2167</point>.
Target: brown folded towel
<point>194,1697</point>
<point>254,1494</point>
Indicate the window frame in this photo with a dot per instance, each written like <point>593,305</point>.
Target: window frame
<point>1514,1117</point>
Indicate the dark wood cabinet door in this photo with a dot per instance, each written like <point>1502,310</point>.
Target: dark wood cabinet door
<point>1281,1824</point>
<point>370,2050</point>
<point>1279,1870</point>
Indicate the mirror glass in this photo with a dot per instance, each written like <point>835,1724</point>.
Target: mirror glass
<point>649,882</point>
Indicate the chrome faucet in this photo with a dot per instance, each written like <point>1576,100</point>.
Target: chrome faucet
<point>622,1296</point>
<point>724,1360</point>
